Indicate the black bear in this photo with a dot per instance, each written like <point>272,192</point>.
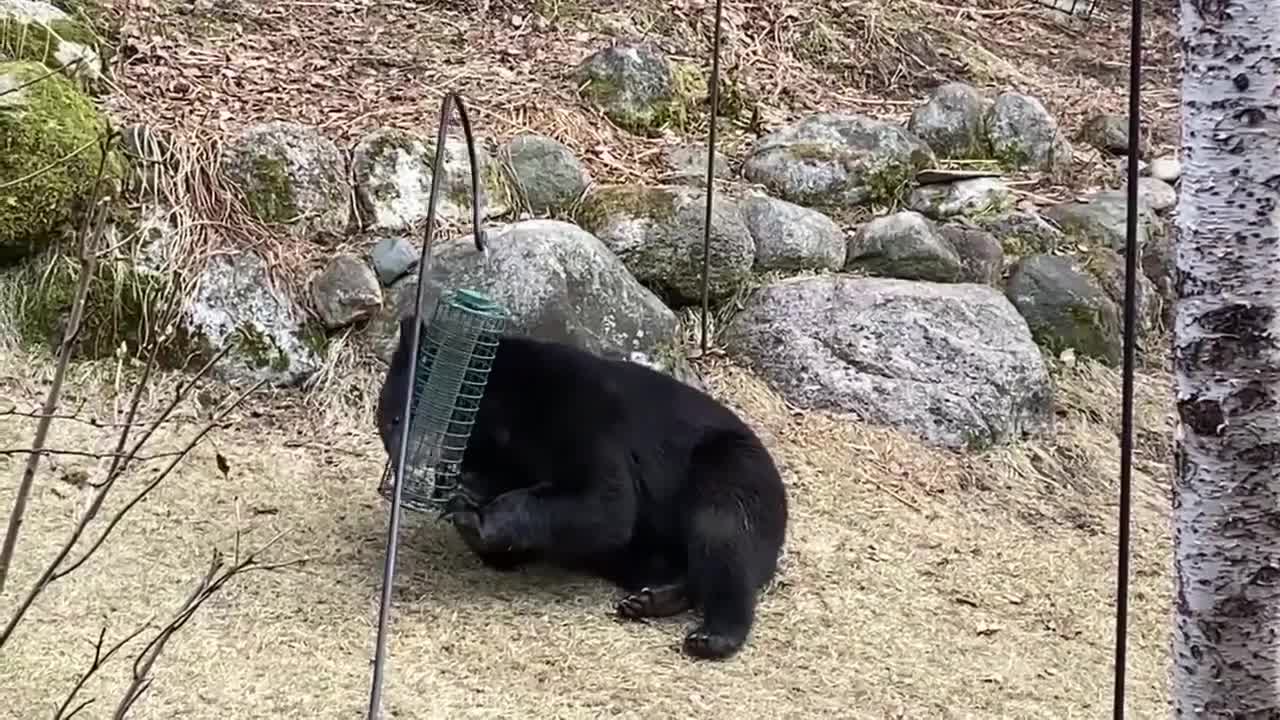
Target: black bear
<point>611,468</point>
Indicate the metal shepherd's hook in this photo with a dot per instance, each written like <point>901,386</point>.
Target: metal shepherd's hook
<point>451,99</point>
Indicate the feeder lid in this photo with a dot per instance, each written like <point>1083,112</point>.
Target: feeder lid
<point>476,301</point>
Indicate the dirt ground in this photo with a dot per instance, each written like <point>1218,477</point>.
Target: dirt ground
<point>917,583</point>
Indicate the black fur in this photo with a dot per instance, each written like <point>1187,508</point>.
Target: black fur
<point>618,470</point>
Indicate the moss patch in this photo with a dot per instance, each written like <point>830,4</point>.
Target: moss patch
<point>259,349</point>
<point>42,42</point>
<point>122,306</point>
<point>657,203</point>
<point>270,195</point>
<point>49,156</point>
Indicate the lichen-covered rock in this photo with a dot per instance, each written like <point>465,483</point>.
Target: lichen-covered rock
<point>1022,133</point>
<point>981,256</point>
<point>791,237</point>
<point>832,159</point>
<point>687,165</point>
<point>1101,219</point>
<point>558,281</point>
<point>1021,232</point>
<point>903,245</point>
<point>39,31</point>
<point>951,364</point>
<point>392,257</point>
<point>1108,132</point>
<point>292,175</point>
<point>1065,307</point>
<point>345,291</point>
<point>963,197</point>
<point>1166,168</point>
<point>657,233</point>
<point>951,121</point>
<point>547,172</point>
<point>392,170</point>
<point>636,86</point>
<point>1107,267</point>
<point>1156,193</point>
<point>42,176</point>
<point>237,304</point>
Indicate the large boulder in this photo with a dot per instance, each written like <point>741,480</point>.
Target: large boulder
<point>657,232</point>
<point>953,364</point>
<point>951,121</point>
<point>291,175</point>
<point>834,159</point>
<point>547,172</point>
<point>237,303</point>
<point>963,197</point>
<point>39,31</point>
<point>789,237</point>
<point>42,176</point>
<point>392,170</point>
<point>980,253</point>
<point>1065,307</point>
<point>558,281</point>
<point>1021,232</point>
<point>904,245</point>
<point>636,86</point>
<point>1022,133</point>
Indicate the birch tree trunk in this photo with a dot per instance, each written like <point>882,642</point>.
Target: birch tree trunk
<point>1226,637</point>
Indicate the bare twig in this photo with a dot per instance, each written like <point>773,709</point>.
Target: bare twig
<point>88,454</point>
<point>100,658</point>
<point>207,587</point>
<point>55,571</point>
<point>90,230</point>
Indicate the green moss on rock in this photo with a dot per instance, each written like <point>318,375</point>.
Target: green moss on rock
<point>50,43</point>
<point>259,349</point>
<point>600,204</point>
<point>270,194</point>
<point>49,155</point>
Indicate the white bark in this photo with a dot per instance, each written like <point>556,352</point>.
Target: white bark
<point>1226,637</point>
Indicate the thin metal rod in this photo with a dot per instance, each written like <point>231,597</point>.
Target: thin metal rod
<point>1130,343</point>
<point>393,527</point>
<point>711,173</point>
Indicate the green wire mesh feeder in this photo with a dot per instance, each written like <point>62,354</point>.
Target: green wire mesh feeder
<point>455,353</point>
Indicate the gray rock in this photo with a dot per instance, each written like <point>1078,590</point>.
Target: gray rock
<point>952,364</point>
<point>831,159</point>
<point>981,257</point>
<point>237,304</point>
<point>292,175</point>
<point>951,122</point>
<point>1020,232</point>
<point>392,170</point>
<point>392,257</point>
<point>1101,218</point>
<point>657,232</point>
<point>687,165</point>
<point>547,172</point>
<point>903,245</point>
<point>1022,133</point>
<point>558,281</point>
<point>1156,193</point>
<point>963,197</point>
<point>791,237</point>
<point>1166,168</point>
<point>345,291</point>
<point>1065,307</point>
<point>632,83</point>
<point>1108,132</point>
<point>1107,266</point>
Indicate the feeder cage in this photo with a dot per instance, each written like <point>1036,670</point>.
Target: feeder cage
<point>455,354</point>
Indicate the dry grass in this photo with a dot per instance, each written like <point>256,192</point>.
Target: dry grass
<point>917,583</point>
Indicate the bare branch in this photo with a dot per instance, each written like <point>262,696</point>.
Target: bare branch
<point>55,571</point>
<point>89,235</point>
<point>100,658</point>
<point>88,454</point>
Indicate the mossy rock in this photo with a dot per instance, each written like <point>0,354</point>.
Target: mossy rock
<point>49,156</point>
<point>122,306</point>
<point>639,88</point>
<point>41,32</point>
